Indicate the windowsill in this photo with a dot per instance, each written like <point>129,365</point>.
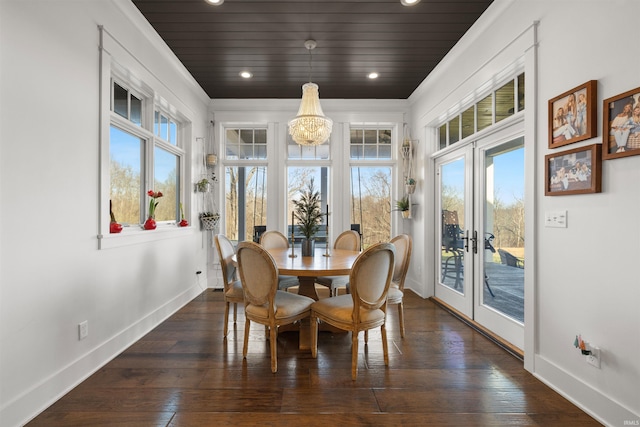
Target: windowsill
<point>134,235</point>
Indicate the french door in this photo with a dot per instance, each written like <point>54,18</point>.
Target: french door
<point>480,245</point>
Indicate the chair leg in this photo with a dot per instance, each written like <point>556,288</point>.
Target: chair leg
<point>385,346</point>
<point>354,355</point>
<point>401,318</point>
<point>247,325</point>
<point>235,312</point>
<point>486,282</point>
<point>274,349</point>
<point>366,337</point>
<point>226,319</point>
<point>314,336</point>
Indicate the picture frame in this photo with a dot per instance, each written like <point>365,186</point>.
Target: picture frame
<point>572,115</point>
<point>576,171</point>
<point>621,125</point>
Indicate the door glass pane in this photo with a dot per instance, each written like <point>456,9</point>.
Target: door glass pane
<point>370,203</point>
<point>245,201</point>
<point>452,201</point>
<point>298,181</point>
<point>504,229</point>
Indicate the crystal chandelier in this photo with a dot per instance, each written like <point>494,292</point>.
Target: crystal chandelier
<point>310,127</point>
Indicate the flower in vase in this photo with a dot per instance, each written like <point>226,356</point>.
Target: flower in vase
<point>153,203</point>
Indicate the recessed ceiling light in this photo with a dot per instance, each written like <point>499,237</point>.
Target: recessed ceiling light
<point>373,75</point>
<point>217,2</point>
<point>246,74</point>
<point>407,2</point>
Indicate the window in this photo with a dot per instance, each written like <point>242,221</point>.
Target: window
<point>371,182</point>
<point>245,181</point>
<point>494,107</point>
<point>142,156</point>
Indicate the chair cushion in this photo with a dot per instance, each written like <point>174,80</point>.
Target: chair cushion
<point>235,290</point>
<point>333,281</point>
<point>285,282</point>
<point>394,295</point>
<point>286,305</point>
<point>340,308</point>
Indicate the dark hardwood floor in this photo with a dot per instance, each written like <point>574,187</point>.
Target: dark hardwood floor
<point>184,374</point>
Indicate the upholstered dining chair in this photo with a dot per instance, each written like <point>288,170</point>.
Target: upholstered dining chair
<point>233,293</point>
<point>273,239</point>
<point>366,307</point>
<point>264,303</point>
<point>404,245</point>
<point>349,240</point>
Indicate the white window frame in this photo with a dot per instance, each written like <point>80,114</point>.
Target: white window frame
<point>117,64</point>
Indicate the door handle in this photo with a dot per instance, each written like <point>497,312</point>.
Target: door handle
<point>466,240</point>
<point>474,241</point>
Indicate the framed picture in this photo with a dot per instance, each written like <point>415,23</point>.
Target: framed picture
<point>621,125</point>
<point>572,115</point>
<point>576,171</point>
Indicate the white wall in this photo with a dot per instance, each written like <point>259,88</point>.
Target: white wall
<point>52,274</point>
<point>584,278</point>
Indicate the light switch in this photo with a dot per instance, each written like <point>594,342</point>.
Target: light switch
<point>557,219</point>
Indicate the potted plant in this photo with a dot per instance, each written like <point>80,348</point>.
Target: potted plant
<point>209,220</point>
<point>410,185</point>
<point>403,205</point>
<point>203,185</point>
<point>308,214</point>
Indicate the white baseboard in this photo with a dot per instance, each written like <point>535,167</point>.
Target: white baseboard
<point>585,397</point>
<point>21,409</point>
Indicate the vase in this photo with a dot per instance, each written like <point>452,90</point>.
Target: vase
<point>150,224</point>
<point>183,223</point>
<point>308,247</point>
<point>115,227</point>
<point>405,214</point>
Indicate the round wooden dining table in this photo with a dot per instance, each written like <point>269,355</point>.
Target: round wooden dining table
<point>307,268</point>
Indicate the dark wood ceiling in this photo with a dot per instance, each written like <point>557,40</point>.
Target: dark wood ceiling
<point>354,37</point>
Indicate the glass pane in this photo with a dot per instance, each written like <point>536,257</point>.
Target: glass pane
<point>232,144</point>
<point>246,136</point>
<point>505,101</point>
<point>173,133</point>
<point>357,136</point>
<point>521,92</point>
<point>120,100</point>
<point>384,152</point>
<point>370,152</point>
<point>260,151</point>
<point>370,204</point>
<point>452,200</point>
<point>156,123</point>
<point>164,127</point>
<point>298,178</point>
<point>442,136</point>
<point>136,110</point>
<point>296,151</point>
<point>260,136</point>
<point>384,136</point>
<point>246,151</point>
<point>504,229</point>
<point>165,179</point>
<point>357,151</point>
<point>468,121</point>
<point>370,136</point>
<point>454,130</point>
<point>485,112</point>
<point>245,201</point>
<point>125,152</point>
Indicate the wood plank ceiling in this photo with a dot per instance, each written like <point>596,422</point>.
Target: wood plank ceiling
<point>354,37</point>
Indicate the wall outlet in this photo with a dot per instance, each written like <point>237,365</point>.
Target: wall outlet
<point>83,330</point>
<point>593,359</point>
